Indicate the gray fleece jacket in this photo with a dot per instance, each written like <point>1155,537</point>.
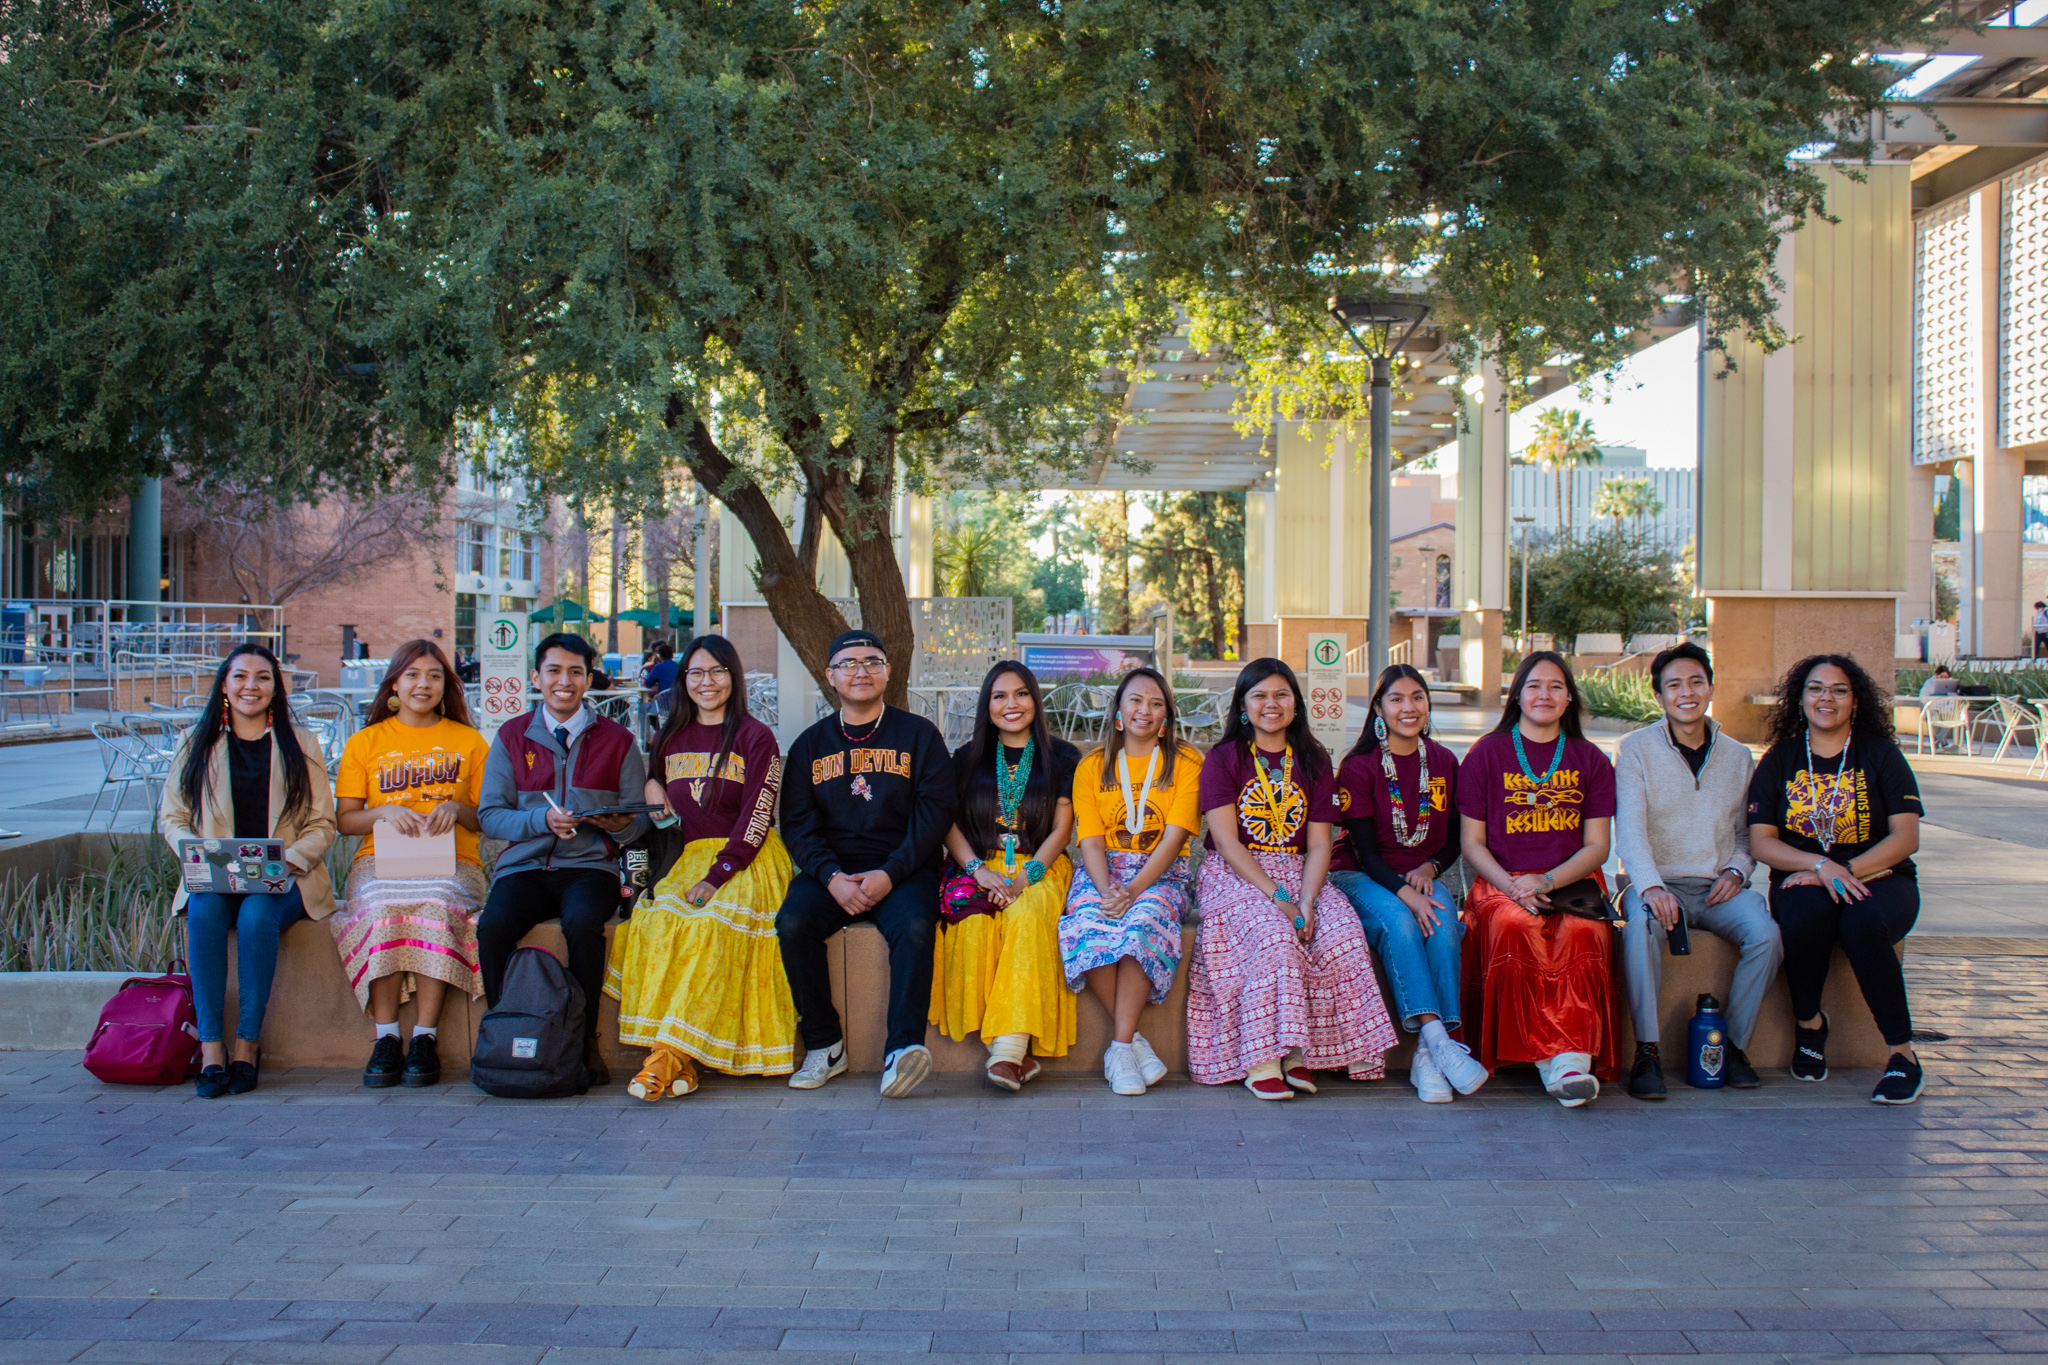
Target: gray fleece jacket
<point>1667,823</point>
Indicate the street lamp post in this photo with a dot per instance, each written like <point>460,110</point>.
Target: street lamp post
<point>1522,635</point>
<point>1379,318</point>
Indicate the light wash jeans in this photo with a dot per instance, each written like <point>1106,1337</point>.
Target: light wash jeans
<point>258,921</point>
<point>1423,972</point>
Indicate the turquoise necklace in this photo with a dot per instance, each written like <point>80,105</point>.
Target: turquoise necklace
<point>1011,781</point>
<point>1522,757</point>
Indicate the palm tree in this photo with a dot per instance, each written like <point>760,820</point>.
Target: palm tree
<point>1631,498</point>
<point>1563,440</point>
<point>967,561</point>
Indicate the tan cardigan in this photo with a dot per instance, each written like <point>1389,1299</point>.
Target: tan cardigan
<point>307,838</point>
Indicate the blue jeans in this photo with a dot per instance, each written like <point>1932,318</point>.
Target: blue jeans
<point>257,920</point>
<point>1423,972</point>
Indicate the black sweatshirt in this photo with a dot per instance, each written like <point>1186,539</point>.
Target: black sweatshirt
<point>882,803</point>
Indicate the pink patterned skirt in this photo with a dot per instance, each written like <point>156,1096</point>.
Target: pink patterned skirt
<point>1256,991</point>
<point>412,928</point>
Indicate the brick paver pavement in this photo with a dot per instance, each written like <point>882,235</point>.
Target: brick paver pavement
<point>315,1221</point>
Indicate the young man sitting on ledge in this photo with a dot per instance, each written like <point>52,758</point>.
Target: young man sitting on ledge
<point>559,759</point>
<point>866,801</point>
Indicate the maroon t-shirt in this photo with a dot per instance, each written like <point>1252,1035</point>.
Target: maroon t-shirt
<point>1231,779</point>
<point>1531,827</point>
<point>1362,795</point>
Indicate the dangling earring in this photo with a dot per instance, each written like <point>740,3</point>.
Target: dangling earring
<point>392,701</point>
<point>1119,724</point>
<point>1244,718</point>
<point>1379,728</point>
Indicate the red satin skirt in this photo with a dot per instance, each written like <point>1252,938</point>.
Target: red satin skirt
<point>1538,985</point>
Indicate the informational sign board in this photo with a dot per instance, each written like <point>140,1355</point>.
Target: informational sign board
<point>1325,684</point>
<point>1067,661</point>
<point>502,664</point>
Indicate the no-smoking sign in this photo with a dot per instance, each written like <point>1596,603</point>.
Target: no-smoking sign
<point>1326,688</point>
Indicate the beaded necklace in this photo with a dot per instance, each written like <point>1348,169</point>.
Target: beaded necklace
<point>1400,816</point>
<point>1825,816</point>
<point>1274,798</point>
<point>1522,757</point>
<point>1011,781</point>
<point>852,738</point>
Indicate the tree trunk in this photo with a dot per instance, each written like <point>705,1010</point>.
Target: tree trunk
<point>618,547</point>
<point>1215,595</point>
<point>1123,547</point>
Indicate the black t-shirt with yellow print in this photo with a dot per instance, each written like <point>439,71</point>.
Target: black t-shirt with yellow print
<point>1879,784</point>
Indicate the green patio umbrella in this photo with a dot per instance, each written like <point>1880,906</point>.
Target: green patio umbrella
<point>566,610</point>
<point>645,617</point>
<point>687,619</point>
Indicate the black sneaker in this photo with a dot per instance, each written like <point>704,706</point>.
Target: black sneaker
<point>386,1062</point>
<point>1739,1074</point>
<point>423,1062</point>
<point>1810,1052</point>
<point>1646,1077</point>
<point>1900,1083</point>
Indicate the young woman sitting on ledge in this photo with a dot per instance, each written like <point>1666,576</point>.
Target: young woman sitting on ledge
<point>1834,812</point>
<point>418,768</point>
<point>245,771</point>
<point>1536,812</point>
<point>1282,983</point>
<point>1135,807</point>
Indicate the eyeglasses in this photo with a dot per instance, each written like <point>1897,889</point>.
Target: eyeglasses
<point>1838,692</point>
<point>862,666</point>
<point>697,675</point>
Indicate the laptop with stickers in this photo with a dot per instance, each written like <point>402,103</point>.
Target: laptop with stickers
<point>235,867</point>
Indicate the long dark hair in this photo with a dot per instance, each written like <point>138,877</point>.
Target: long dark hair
<point>1367,740</point>
<point>682,707</point>
<point>1170,745</point>
<point>454,705</point>
<point>1511,712</point>
<point>1873,715</point>
<point>974,769</point>
<point>213,723</point>
<point>1237,728</point>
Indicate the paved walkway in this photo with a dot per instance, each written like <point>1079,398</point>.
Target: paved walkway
<point>315,1221</point>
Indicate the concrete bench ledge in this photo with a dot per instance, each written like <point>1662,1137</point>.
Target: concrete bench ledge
<point>314,1019</point>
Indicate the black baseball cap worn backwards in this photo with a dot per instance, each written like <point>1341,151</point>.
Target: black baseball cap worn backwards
<point>855,637</point>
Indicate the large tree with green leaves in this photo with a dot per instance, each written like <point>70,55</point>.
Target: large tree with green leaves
<point>815,251</point>
<point>1193,554</point>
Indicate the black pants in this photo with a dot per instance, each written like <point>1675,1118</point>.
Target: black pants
<point>1811,924</point>
<point>908,918</point>
<point>583,898</point>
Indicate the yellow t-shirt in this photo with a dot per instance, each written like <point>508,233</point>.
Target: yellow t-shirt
<point>1099,812</point>
<point>418,767</point>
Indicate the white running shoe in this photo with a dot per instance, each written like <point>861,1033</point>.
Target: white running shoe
<point>1124,1076</point>
<point>1456,1064</point>
<point>1149,1065</point>
<point>1566,1082</point>
<point>1430,1085</point>
<point>905,1070</point>
<point>820,1065</point>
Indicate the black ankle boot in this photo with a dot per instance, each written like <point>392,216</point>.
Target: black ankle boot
<point>386,1062</point>
<point>1646,1077</point>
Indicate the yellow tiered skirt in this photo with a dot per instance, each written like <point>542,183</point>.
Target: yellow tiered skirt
<point>709,982</point>
<point>1002,973</point>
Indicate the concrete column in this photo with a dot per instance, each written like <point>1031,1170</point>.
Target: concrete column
<point>1481,561</point>
<point>1995,507</point>
<point>704,597</point>
<point>1340,456</point>
<point>914,543</point>
<point>738,564</point>
<point>1964,472</point>
<point>146,547</point>
<point>1918,602</point>
<point>1261,575</point>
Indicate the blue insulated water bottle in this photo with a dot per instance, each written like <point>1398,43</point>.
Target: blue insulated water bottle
<point>1706,1053</point>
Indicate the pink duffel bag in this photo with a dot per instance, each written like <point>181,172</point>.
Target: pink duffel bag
<point>148,1033</point>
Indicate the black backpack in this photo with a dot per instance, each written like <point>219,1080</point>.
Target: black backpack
<point>530,1044</point>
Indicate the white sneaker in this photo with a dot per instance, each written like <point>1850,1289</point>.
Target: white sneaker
<point>1456,1064</point>
<point>820,1065</point>
<point>905,1070</point>
<point>1124,1076</point>
<point>1430,1085</point>
<point>1149,1065</point>
<point>1566,1082</point>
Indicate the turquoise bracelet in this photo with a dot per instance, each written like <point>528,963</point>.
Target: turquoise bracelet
<point>1034,872</point>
